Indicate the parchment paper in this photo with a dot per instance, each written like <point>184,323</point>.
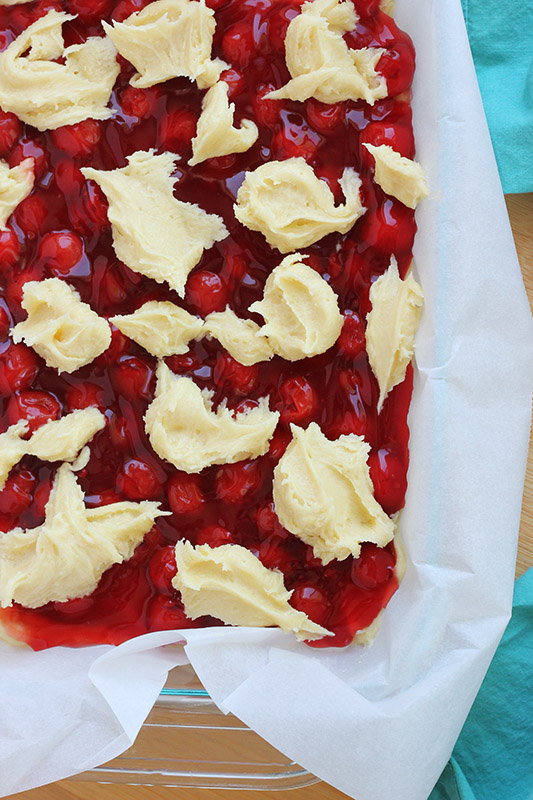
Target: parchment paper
<point>378,723</point>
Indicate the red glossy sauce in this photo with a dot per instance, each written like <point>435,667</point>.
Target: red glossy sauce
<point>62,230</point>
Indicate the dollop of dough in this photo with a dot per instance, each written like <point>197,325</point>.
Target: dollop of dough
<point>398,176</point>
<point>15,184</point>
<point>66,556</point>
<point>241,337</point>
<point>48,93</point>
<point>292,208</point>
<point>215,134</point>
<point>391,326</point>
<point>57,440</point>
<point>161,327</point>
<point>324,495</point>
<point>168,39</point>
<point>231,584</point>
<point>185,431</point>
<point>12,448</point>
<point>300,309</point>
<point>153,233</point>
<point>387,6</point>
<point>321,63</point>
<point>62,329</point>
<point>62,439</point>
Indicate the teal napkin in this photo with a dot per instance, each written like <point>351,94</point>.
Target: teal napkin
<point>501,38</point>
<point>493,757</point>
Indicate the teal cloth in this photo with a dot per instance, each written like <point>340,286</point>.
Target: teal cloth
<point>493,757</point>
<point>501,38</point>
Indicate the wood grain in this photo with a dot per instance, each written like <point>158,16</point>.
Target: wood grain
<point>520,209</point>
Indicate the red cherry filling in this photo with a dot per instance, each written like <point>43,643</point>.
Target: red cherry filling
<point>389,476</point>
<point>61,251</point>
<point>165,614</point>
<point>162,569</point>
<point>62,229</point>
<point>214,536</point>
<point>10,131</point>
<point>238,45</point>
<point>237,482</point>
<point>9,249</point>
<point>206,292</point>
<point>312,601</point>
<point>27,148</point>
<point>138,480</point>
<point>17,494</point>
<point>37,408</point>
<point>19,366</point>
<point>373,567</point>
<point>177,129</point>
<point>184,493</point>
<point>230,374</point>
<point>78,140</point>
<point>351,341</point>
<point>299,401</point>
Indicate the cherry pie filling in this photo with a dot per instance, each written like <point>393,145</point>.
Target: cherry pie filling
<point>62,230</point>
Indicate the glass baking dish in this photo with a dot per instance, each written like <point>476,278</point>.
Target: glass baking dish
<point>187,741</point>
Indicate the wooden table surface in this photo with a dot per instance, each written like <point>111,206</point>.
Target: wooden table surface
<point>521,213</point>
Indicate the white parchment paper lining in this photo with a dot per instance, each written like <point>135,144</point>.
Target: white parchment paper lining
<point>377,723</point>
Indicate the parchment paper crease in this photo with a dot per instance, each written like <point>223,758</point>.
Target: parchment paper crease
<point>377,723</point>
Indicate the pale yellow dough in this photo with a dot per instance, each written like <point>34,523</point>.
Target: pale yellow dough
<point>215,134</point>
<point>48,94</point>
<point>12,448</point>
<point>62,439</point>
<point>161,327</point>
<point>57,440</point>
<point>62,329</point>
<point>398,176</point>
<point>391,327</point>
<point>324,495</point>
<point>185,431</point>
<point>388,6</point>
<point>153,233</point>
<point>241,337</point>
<point>15,184</point>
<point>231,584</point>
<point>292,208</point>
<point>321,63</point>
<point>301,312</point>
<point>66,556</point>
<point>168,39</point>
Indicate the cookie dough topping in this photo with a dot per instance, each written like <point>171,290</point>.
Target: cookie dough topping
<point>242,338</point>
<point>161,327</point>
<point>215,134</point>
<point>231,584</point>
<point>184,430</point>
<point>168,39</point>
<point>391,327</point>
<point>321,63</point>
<point>12,448</point>
<point>66,556</point>
<point>48,86</point>
<point>15,184</point>
<point>62,439</point>
<point>398,176</point>
<point>300,309</point>
<point>324,495</point>
<point>153,233</point>
<point>57,440</point>
<point>62,329</point>
<point>292,208</point>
